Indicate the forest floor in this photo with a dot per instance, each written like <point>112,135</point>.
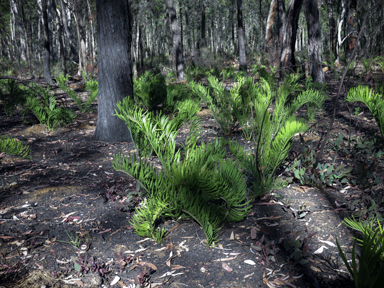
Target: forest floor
<point>66,210</point>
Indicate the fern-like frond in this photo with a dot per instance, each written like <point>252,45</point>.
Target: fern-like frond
<point>14,147</point>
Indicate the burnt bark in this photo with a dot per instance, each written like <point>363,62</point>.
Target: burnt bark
<point>46,61</point>
<point>177,51</point>
<point>240,36</point>
<point>114,37</point>
<point>287,57</point>
<point>315,69</point>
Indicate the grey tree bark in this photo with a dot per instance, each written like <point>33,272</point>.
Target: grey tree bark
<point>78,7</point>
<point>114,36</point>
<point>312,15</point>
<point>68,32</point>
<point>178,52</point>
<point>46,57</point>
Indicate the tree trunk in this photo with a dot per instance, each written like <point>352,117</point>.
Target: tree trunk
<point>332,27</point>
<point>340,26</point>
<point>114,36</point>
<point>351,29</point>
<point>27,39</point>
<point>202,42</point>
<point>312,15</point>
<point>287,58</point>
<point>59,28</point>
<point>240,36</point>
<point>47,69</point>
<point>176,40</point>
<point>79,13</point>
<point>268,30</point>
<point>67,29</point>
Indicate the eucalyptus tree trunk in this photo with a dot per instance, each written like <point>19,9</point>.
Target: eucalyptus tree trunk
<point>351,40</point>
<point>202,42</point>
<point>332,27</point>
<point>59,28</point>
<point>240,35</point>
<point>114,36</point>
<point>92,33</point>
<point>287,57</point>
<point>27,39</point>
<point>68,32</point>
<point>178,52</point>
<point>312,15</point>
<point>268,29</point>
<point>46,57</point>
<point>340,26</point>
<point>78,6</point>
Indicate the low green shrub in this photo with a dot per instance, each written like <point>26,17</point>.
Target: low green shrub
<point>149,90</point>
<point>14,147</point>
<point>89,85</point>
<point>274,129</point>
<point>374,102</point>
<point>193,181</point>
<point>368,271</point>
<point>12,95</point>
<point>46,110</point>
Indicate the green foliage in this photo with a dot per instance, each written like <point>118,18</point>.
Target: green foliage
<point>14,147</point>
<point>367,63</point>
<point>228,73</point>
<point>273,132</point>
<point>46,110</point>
<point>374,102</point>
<point>369,271</point>
<point>90,85</point>
<point>222,103</point>
<point>134,116</point>
<point>150,90</point>
<point>299,250</point>
<point>325,174</point>
<point>12,95</point>
<point>194,181</point>
<point>379,60</point>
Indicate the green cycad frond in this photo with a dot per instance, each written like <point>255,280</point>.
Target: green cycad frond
<point>374,102</point>
<point>14,147</point>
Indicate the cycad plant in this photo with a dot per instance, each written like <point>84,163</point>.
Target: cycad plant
<point>193,181</point>
<point>12,95</point>
<point>150,90</point>
<point>131,115</point>
<point>14,147</point>
<point>92,85</point>
<point>222,103</point>
<point>373,100</point>
<point>274,128</point>
<point>368,271</point>
<point>46,110</point>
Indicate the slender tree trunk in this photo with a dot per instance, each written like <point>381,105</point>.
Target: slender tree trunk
<point>287,58</point>
<point>114,36</point>
<point>202,42</point>
<point>92,33</point>
<point>59,28</point>
<point>47,69</point>
<point>332,27</point>
<point>312,15</point>
<point>27,39</point>
<point>268,30</point>
<point>240,35</point>
<point>351,29</point>
<point>79,13</point>
<point>340,26</point>
<point>176,40</point>
<point>67,29</point>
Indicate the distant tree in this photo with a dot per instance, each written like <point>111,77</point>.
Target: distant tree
<point>241,36</point>
<point>46,58</point>
<point>114,36</point>
<point>177,50</point>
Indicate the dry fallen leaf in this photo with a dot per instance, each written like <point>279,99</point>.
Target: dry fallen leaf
<point>250,262</point>
<point>226,267</point>
<point>232,237</point>
<point>253,233</point>
<point>115,280</point>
